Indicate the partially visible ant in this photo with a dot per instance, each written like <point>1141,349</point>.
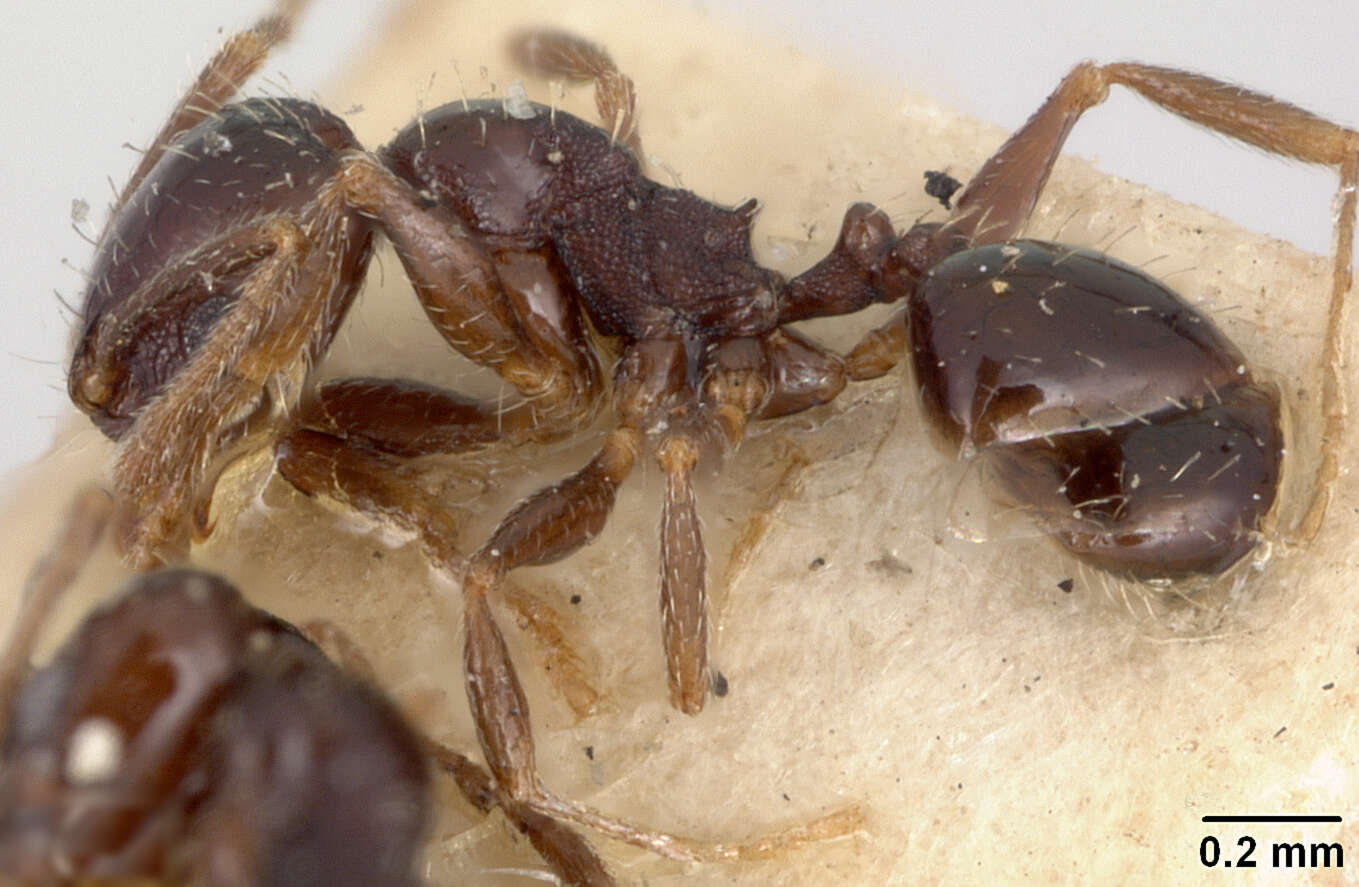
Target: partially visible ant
<point>182,736</point>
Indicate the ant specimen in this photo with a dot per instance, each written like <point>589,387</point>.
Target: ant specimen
<point>527,280</point>
<point>527,255</point>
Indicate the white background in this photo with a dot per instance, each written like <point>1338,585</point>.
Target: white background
<point>84,78</point>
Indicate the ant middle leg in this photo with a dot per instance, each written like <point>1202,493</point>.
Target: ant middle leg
<point>373,481</point>
<point>545,527</point>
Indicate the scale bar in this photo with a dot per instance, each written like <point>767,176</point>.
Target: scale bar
<point>1272,818</point>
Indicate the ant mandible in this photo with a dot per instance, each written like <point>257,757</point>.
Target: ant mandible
<point>528,254</point>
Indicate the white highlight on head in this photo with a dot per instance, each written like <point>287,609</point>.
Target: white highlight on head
<point>95,753</point>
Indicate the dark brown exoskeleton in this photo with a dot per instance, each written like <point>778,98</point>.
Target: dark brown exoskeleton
<point>235,250</point>
<point>530,236</point>
<point>1122,418</point>
<point>182,736</point>
<point>186,331</point>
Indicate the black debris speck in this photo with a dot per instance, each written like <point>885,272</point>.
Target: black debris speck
<point>720,687</point>
<point>941,186</point>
